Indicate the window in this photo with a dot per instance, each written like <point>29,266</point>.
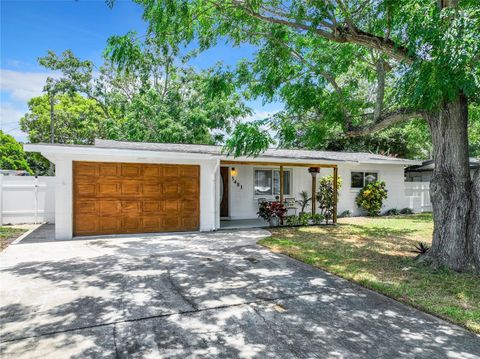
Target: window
<point>267,182</point>
<point>360,179</point>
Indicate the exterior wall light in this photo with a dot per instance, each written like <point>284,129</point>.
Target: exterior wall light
<point>233,172</point>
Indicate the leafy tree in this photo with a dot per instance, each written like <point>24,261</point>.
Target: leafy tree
<point>156,100</point>
<point>415,59</point>
<point>78,120</point>
<point>12,156</point>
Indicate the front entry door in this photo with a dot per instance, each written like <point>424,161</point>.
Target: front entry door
<point>224,192</point>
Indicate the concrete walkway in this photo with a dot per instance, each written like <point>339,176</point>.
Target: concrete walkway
<point>203,296</point>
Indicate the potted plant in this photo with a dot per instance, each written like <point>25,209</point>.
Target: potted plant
<point>273,212</point>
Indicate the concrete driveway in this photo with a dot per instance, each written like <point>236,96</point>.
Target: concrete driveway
<point>200,295</point>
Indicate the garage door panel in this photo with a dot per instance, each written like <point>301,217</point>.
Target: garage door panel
<point>86,224</point>
<point>86,169</point>
<point>131,224</point>
<point>131,207</point>
<point>86,207</point>
<point>134,188</point>
<point>153,206</point>
<point>133,198</point>
<point>152,224</point>
<point>152,171</point>
<point>190,223</point>
<point>131,170</point>
<point>109,188</point>
<point>108,224</point>
<point>152,189</point>
<point>108,169</point>
<point>86,189</point>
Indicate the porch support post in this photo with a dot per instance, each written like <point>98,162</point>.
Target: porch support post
<point>314,191</point>
<point>335,190</point>
<point>281,184</point>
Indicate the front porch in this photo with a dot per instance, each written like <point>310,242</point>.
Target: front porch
<point>244,185</point>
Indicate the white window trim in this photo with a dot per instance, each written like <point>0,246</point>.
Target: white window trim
<point>272,196</point>
<point>356,189</point>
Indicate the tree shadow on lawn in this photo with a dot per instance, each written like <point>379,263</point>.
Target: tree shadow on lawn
<point>142,298</point>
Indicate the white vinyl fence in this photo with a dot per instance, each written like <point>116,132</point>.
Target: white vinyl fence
<point>25,199</point>
<point>418,196</point>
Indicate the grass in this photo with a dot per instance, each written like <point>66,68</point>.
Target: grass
<point>8,235</point>
<point>375,253</point>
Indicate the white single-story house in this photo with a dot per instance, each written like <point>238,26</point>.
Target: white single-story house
<point>115,187</point>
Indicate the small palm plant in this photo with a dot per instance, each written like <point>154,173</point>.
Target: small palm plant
<point>304,201</point>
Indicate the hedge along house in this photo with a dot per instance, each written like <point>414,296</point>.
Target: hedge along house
<point>115,187</point>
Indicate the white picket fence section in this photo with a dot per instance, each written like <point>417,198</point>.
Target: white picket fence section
<point>25,199</point>
<point>418,196</point>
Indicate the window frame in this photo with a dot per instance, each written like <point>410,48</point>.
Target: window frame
<point>364,173</point>
<point>272,170</point>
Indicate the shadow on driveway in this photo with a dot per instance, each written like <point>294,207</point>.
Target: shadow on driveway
<point>200,295</point>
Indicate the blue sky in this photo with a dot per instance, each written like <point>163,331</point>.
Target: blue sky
<point>30,28</point>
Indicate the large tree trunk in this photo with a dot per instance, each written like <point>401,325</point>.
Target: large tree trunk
<point>474,221</point>
<point>451,191</point>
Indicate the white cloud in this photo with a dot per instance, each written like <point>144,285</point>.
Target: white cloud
<point>9,117</point>
<point>22,86</point>
<point>17,87</point>
<point>259,115</point>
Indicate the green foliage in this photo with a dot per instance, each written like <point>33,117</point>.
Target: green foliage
<point>345,214</point>
<point>317,218</point>
<point>292,221</point>
<point>12,156</point>
<point>392,212</point>
<point>406,211</point>
<point>309,56</point>
<point>78,120</point>
<point>303,219</point>
<point>248,139</point>
<point>324,196</point>
<point>272,210</point>
<point>304,201</point>
<point>371,197</point>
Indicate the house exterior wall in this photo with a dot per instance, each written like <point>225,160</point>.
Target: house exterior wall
<point>64,196</point>
<point>243,204</point>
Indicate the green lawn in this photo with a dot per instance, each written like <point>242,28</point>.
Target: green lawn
<point>8,235</point>
<point>375,252</point>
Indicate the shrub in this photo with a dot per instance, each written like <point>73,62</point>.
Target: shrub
<point>371,197</point>
<point>272,211</point>
<point>392,212</point>
<point>317,218</point>
<point>304,201</point>
<point>292,221</point>
<point>406,211</point>
<point>325,196</point>
<point>303,219</point>
<point>345,214</point>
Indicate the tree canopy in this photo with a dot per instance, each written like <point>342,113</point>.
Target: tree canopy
<point>12,156</point>
<point>356,66</point>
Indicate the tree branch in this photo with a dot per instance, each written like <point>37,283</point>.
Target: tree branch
<point>340,34</point>
<point>384,121</point>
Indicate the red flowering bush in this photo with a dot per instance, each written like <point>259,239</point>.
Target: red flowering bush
<point>271,211</point>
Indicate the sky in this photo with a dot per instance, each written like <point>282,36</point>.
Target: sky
<point>30,28</point>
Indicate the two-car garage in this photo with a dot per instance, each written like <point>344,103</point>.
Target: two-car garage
<point>113,198</point>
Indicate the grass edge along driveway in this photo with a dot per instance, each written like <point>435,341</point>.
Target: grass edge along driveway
<point>8,235</point>
<point>376,253</point>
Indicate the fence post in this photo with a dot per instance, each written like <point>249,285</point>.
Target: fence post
<point>1,199</point>
<point>36,199</point>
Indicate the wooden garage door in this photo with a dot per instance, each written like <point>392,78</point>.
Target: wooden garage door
<point>111,198</point>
